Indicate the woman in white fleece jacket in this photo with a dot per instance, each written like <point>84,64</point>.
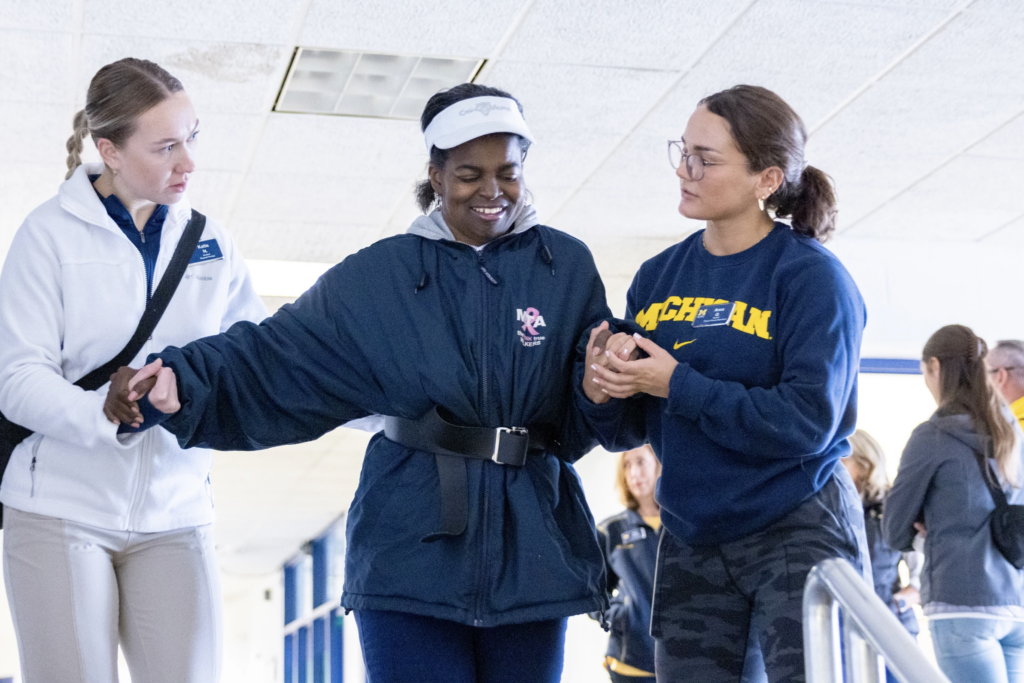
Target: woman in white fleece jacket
<point>108,538</point>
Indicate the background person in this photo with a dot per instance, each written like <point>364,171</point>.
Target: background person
<point>748,393</point>
<point>1005,363</point>
<point>973,597</point>
<point>459,569</point>
<point>630,544</point>
<point>109,542</point>
<point>866,465</point>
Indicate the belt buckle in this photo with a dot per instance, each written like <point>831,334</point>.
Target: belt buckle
<point>510,446</point>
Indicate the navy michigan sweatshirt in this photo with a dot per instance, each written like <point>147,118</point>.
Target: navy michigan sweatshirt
<point>760,407</point>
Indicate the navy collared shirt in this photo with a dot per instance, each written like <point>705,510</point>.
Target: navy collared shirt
<point>147,241</point>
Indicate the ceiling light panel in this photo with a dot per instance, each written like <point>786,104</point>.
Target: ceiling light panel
<point>368,84</point>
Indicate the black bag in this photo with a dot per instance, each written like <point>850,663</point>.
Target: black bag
<point>12,434</point>
<point>1007,521</point>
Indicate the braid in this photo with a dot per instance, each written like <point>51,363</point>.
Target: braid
<point>74,144</point>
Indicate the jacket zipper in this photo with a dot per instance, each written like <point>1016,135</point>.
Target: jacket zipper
<point>141,476</point>
<point>484,401</point>
<point>32,474</point>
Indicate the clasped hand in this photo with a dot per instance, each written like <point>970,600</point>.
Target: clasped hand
<point>614,369</point>
<point>128,385</point>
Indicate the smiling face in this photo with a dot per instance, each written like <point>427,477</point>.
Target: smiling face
<point>155,162</point>
<point>481,187</point>
<point>728,189</point>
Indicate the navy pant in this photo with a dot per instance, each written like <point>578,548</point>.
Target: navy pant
<point>400,648</point>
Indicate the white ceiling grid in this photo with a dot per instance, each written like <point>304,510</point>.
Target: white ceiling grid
<point>916,108</point>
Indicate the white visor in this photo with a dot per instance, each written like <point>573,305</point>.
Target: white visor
<point>474,118</point>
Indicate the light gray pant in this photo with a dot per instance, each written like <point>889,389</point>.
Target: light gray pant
<point>74,590</point>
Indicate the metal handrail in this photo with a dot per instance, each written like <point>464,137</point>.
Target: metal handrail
<point>870,632</point>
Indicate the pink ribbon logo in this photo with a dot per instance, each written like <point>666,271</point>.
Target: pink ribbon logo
<point>530,316</point>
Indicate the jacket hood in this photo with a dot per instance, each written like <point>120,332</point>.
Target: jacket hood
<point>961,427</point>
<point>432,226</point>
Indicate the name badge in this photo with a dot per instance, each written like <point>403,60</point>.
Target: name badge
<point>206,250</point>
<point>714,315</point>
<point>634,535</point>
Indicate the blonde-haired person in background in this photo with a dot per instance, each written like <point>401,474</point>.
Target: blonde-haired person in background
<point>630,544</point>
<point>972,595</point>
<point>866,465</point>
<point>108,535</point>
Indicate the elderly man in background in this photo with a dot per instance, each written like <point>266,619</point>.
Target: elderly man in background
<point>1006,368</point>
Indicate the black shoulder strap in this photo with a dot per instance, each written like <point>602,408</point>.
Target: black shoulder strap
<point>157,304</point>
<point>991,480</point>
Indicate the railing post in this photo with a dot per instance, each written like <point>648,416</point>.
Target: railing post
<point>822,659</point>
<point>863,665</point>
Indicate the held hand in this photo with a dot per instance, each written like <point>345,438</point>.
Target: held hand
<point>595,354</point>
<point>161,384</point>
<point>920,529</point>
<point>622,379</point>
<point>117,407</point>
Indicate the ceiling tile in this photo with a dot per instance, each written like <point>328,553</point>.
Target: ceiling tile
<point>267,21</point>
<point>34,66</point>
<point>226,140</point>
<point>276,197</point>
<point>457,28</point>
<point>210,192</point>
<point>1010,235</point>
<point>32,15</point>
<point>963,201</point>
<point>911,132</point>
<point>341,146</point>
<point>1005,143</point>
<point>652,35</point>
<point>235,78</point>
<point>34,132</point>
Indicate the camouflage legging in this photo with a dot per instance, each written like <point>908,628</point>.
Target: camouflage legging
<point>707,599</point>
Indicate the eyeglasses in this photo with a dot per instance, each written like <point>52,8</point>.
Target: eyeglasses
<point>695,165</point>
<point>1008,368</point>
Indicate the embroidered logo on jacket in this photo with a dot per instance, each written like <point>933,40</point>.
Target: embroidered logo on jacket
<point>531,320</point>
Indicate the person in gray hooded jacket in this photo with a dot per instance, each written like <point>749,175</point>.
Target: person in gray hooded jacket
<point>973,596</point>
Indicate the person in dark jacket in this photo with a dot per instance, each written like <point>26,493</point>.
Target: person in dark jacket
<point>747,393</point>
<point>973,596</point>
<point>866,465</point>
<point>630,543</point>
<point>462,333</point>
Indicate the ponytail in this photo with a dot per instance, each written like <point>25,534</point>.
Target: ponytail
<point>770,133</point>
<point>74,144</point>
<point>812,207</point>
<point>964,387</point>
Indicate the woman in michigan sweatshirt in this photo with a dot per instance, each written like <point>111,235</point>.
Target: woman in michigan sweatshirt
<point>752,331</point>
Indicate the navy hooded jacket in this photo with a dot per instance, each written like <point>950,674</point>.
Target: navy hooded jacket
<point>630,546</point>
<point>404,325</point>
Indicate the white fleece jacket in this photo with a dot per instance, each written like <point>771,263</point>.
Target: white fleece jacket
<point>72,291</point>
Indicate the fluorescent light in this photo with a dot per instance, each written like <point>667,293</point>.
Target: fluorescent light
<point>284,278</point>
<point>371,84</point>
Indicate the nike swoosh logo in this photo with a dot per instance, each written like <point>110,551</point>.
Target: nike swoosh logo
<point>679,345</point>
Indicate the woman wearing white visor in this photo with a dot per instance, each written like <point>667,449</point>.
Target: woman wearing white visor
<point>469,539</point>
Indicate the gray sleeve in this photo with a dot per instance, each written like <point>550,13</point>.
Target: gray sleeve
<point>906,498</point>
